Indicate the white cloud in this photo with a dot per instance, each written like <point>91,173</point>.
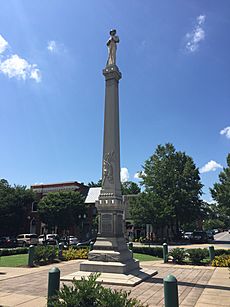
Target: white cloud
<point>138,175</point>
<point>13,66</point>
<point>52,46</point>
<point>124,174</point>
<point>201,19</point>
<point>226,132</point>
<point>16,67</point>
<point>210,166</point>
<point>197,35</point>
<point>3,44</point>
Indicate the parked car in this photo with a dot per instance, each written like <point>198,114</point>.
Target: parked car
<point>215,231</point>
<point>8,242</point>
<point>86,243</point>
<point>199,237</point>
<point>48,239</point>
<point>187,235</point>
<point>210,235</point>
<point>73,240</point>
<point>27,239</point>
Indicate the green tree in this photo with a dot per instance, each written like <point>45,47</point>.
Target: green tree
<point>93,184</point>
<point>61,209</point>
<point>129,188</point>
<point>14,205</point>
<point>221,191</point>
<point>172,190</point>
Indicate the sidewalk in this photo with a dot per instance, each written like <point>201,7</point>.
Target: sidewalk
<point>198,286</point>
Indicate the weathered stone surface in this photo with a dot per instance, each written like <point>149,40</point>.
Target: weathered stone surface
<point>132,279</point>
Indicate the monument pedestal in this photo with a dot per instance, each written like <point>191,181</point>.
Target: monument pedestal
<point>129,279</point>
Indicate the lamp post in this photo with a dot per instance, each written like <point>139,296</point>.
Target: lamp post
<point>82,217</point>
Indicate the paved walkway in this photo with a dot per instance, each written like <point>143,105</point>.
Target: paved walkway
<point>198,286</point>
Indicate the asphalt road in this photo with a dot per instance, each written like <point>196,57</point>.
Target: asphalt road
<point>221,241</point>
<point>222,236</point>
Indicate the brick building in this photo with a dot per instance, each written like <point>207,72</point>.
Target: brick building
<point>33,224</point>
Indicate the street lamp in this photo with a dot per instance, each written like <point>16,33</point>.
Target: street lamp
<point>82,217</point>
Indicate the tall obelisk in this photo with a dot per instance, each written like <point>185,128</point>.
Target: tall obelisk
<point>110,252</point>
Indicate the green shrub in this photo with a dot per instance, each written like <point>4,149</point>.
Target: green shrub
<point>219,252</point>
<point>153,251</point>
<point>221,261</point>
<point>72,253</point>
<point>178,254</point>
<point>45,254</point>
<point>13,251</point>
<point>89,293</point>
<point>196,255</point>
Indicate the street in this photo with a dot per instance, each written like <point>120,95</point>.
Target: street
<point>221,241</point>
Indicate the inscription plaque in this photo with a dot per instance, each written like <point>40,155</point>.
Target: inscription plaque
<point>107,223</point>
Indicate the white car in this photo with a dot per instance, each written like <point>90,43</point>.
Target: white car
<point>51,239</point>
<point>73,240</point>
<point>27,239</point>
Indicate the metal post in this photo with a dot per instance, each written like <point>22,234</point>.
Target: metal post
<point>91,246</point>
<point>53,282</point>
<point>60,248</point>
<point>171,291</point>
<point>130,246</point>
<point>31,256</point>
<point>211,252</point>
<point>165,252</point>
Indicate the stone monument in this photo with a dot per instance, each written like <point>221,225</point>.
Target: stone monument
<point>110,253</point>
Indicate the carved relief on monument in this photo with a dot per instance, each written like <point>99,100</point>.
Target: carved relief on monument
<point>108,168</point>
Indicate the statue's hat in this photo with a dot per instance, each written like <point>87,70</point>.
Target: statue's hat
<point>112,32</point>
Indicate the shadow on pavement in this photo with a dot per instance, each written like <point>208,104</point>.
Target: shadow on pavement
<point>189,284</point>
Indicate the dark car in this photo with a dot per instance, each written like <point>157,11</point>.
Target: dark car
<point>187,235</point>
<point>210,235</point>
<point>199,237</point>
<point>8,242</point>
<point>86,243</point>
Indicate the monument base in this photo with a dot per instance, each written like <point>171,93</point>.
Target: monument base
<point>131,279</point>
<point>109,267</point>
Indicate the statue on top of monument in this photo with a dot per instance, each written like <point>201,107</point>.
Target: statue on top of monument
<point>112,47</point>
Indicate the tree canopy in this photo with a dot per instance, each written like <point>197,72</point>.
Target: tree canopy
<point>172,190</point>
<point>61,209</point>
<point>127,187</point>
<point>221,190</point>
<point>15,202</point>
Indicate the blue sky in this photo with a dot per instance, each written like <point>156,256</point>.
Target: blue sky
<point>175,60</point>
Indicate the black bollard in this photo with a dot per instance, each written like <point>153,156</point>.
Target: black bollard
<point>31,256</point>
<point>165,252</point>
<point>60,248</point>
<point>211,252</point>
<point>171,291</point>
<point>53,282</point>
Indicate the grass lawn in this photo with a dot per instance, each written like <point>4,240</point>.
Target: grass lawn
<point>22,259</point>
<point>14,260</point>
<point>143,257</point>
